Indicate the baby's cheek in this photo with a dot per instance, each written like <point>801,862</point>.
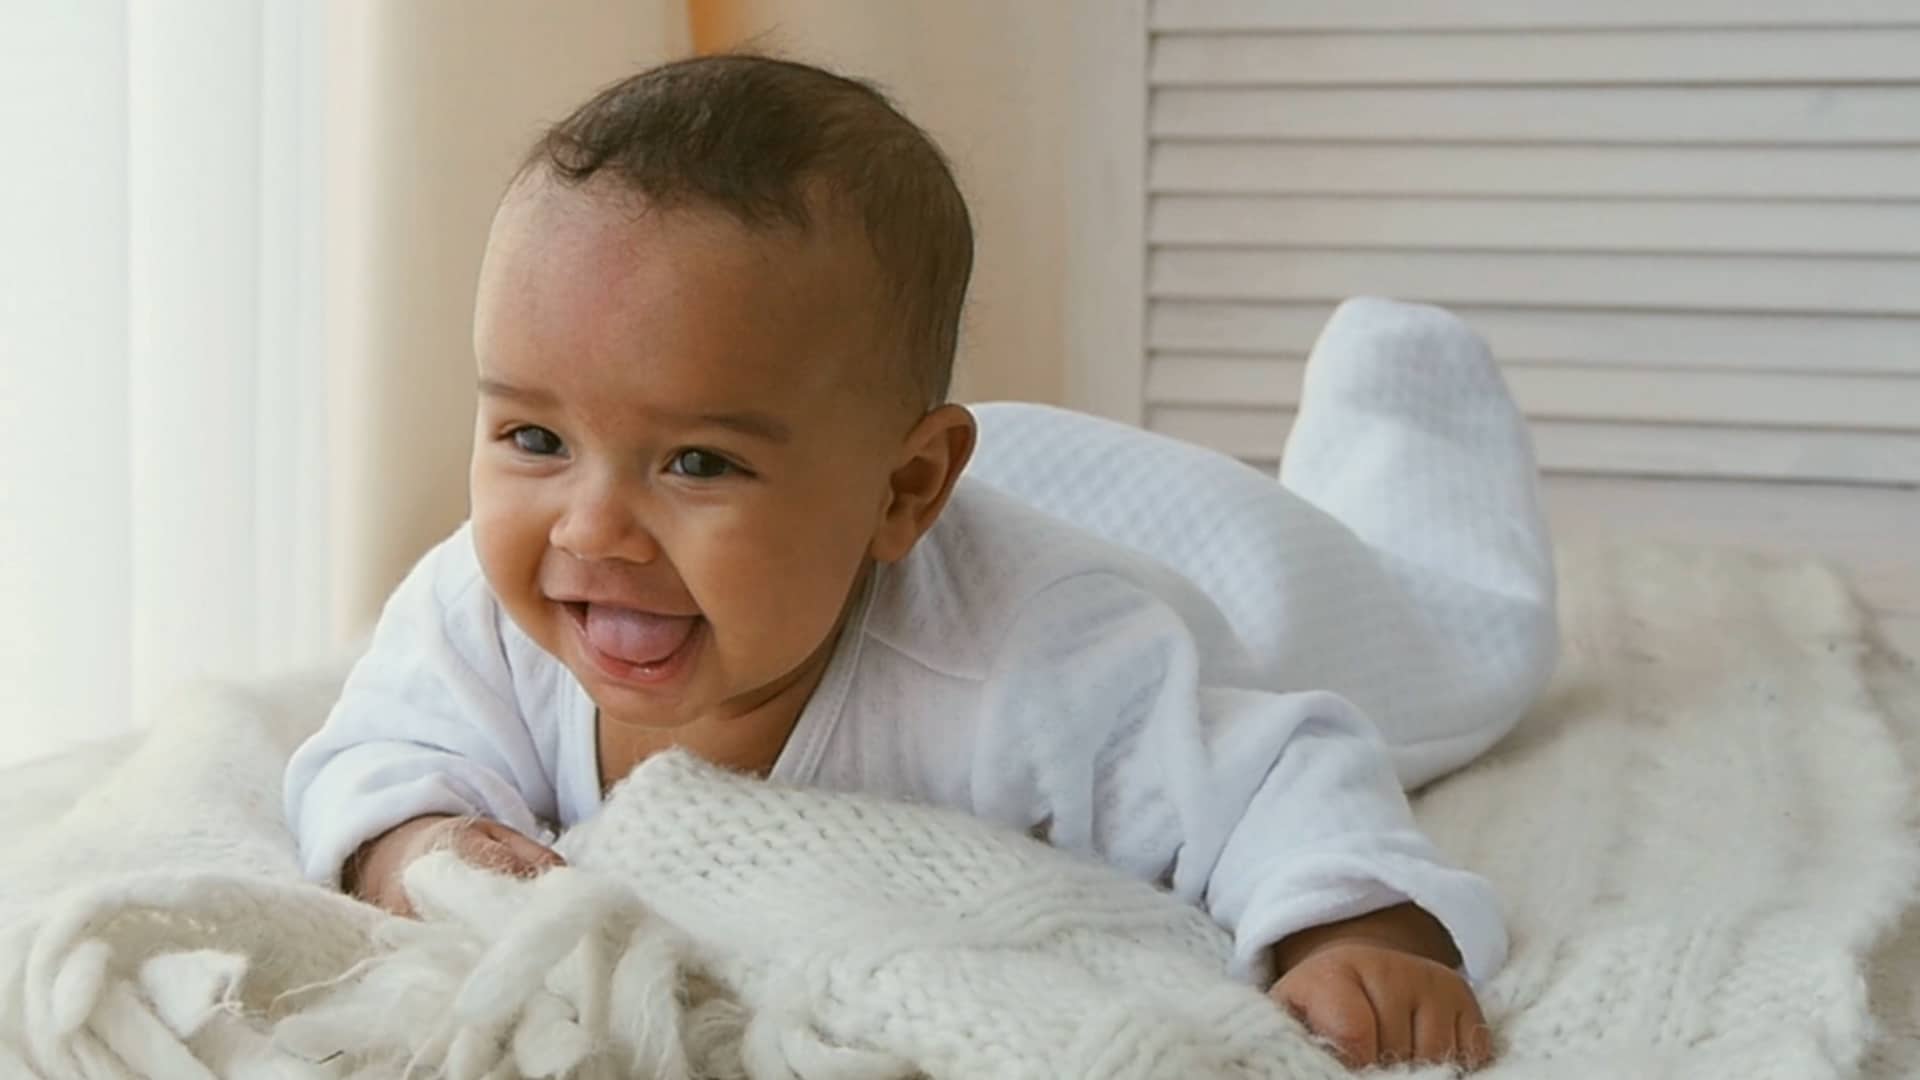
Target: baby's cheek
<point>779,602</point>
<point>509,549</point>
<point>501,548</point>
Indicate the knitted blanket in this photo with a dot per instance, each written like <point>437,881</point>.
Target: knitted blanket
<point>1700,832</point>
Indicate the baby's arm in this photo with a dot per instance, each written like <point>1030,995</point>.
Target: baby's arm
<point>1278,811</point>
<point>427,731</point>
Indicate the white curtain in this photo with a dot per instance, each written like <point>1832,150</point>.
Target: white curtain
<point>162,422</point>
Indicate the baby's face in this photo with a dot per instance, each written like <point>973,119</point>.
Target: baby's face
<point>683,450</point>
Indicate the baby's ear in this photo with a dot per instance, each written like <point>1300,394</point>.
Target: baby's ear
<point>932,458</point>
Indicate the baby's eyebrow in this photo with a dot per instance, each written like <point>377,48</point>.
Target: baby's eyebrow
<point>757,425</point>
<point>496,388</point>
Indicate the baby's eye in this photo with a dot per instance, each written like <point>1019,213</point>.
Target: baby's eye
<point>537,441</point>
<point>700,465</point>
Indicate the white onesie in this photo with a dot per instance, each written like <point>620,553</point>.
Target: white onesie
<point>1151,695</point>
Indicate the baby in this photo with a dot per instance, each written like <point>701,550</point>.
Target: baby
<point>718,504</point>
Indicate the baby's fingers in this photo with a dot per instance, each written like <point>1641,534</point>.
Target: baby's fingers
<point>1394,1014</point>
<point>1447,1023</point>
<point>1438,1027</point>
<point>530,852</point>
<point>1474,1038</point>
<point>1337,1010</point>
<point>492,846</point>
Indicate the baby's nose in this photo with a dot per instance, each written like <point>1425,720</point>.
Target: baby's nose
<point>604,523</point>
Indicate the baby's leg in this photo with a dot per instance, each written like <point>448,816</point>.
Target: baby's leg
<point>1406,435</point>
<point>1408,570</point>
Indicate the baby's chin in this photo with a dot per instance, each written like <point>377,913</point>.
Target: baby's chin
<point>640,711</point>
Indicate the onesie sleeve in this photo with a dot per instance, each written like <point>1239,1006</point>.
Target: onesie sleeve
<point>1137,743</point>
<point>427,723</point>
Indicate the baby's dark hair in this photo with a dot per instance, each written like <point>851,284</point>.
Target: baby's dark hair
<point>757,137</point>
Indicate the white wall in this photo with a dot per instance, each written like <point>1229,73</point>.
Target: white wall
<point>433,103</point>
<point>64,518</point>
<point>990,80</point>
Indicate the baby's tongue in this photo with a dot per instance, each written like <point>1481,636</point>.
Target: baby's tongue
<point>635,636</point>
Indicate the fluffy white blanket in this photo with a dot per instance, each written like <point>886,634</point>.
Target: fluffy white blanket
<point>1701,833</point>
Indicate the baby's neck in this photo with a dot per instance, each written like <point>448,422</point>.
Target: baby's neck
<point>749,743</point>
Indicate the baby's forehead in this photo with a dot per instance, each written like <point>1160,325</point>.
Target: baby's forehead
<point>778,301</point>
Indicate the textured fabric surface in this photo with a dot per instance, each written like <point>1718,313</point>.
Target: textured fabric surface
<point>1700,833</point>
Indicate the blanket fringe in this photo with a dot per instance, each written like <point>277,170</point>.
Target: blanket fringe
<point>567,975</point>
<point>79,1002</point>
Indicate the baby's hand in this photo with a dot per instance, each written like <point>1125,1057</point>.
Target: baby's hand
<point>1380,1005</point>
<point>374,873</point>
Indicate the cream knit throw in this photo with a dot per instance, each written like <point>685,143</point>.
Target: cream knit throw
<point>1700,833</point>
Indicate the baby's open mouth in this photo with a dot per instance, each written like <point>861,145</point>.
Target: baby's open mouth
<point>642,639</point>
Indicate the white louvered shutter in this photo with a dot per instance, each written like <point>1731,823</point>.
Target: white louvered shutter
<point>1690,228</point>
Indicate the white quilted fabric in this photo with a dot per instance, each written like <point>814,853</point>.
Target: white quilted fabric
<point>1406,437</point>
